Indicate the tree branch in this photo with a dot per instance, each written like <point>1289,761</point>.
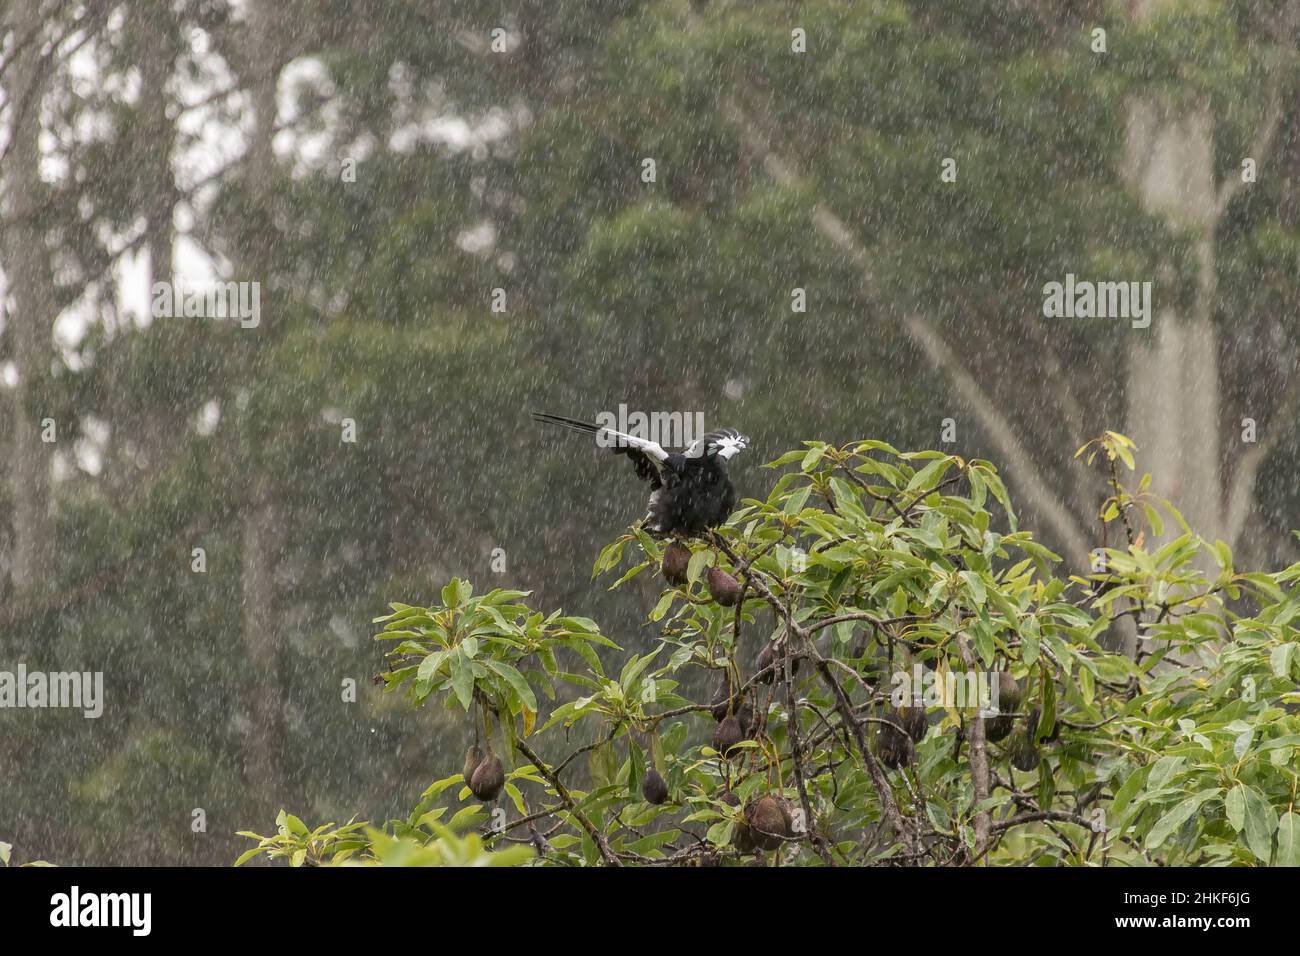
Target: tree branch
<point>608,855</point>
<point>1262,144</point>
<point>1241,493</point>
<point>979,766</point>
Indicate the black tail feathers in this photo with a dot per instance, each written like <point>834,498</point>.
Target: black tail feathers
<point>573,423</point>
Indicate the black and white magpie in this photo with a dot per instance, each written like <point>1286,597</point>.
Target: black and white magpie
<point>690,491</point>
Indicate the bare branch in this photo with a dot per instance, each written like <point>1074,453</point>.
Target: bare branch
<point>562,792</point>
<point>1262,144</point>
<point>979,765</point>
<point>1241,494</point>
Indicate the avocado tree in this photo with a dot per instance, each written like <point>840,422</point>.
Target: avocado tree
<point>871,665</point>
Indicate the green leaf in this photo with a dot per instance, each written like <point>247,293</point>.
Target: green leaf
<point>516,680</point>
<point>602,764</point>
<point>814,455</point>
<point>243,857</point>
<point>609,557</point>
<point>1030,637</point>
<point>429,666</point>
<point>1280,659</point>
<point>462,678</point>
<point>846,499</point>
<point>588,654</point>
<point>929,476</point>
<point>720,833</point>
<point>699,561</point>
<point>660,609</point>
<point>635,769</point>
<point>1234,805</point>
<point>1261,821</point>
<point>797,499</point>
<point>1242,744</point>
<point>1288,841</point>
<point>660,762</point>
<point>1179,815</point>
<point>1163,769</point>
<point>633,669</point>
<point>517,797</point>
<point>1124,795</point>
<point>630,574</point>
<point>1047,719</point>
<point>464,817</point>
<point>456,592</point>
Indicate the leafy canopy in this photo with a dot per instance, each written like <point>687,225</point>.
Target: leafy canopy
<point>1152,719</point>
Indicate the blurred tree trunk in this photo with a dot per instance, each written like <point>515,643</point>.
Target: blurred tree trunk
<point>263,539</point>
<point>1175,407</point>
<point>1174,411</point>
<point>158,34</point>
<point>154,429</point>
<point>263,529</point>
<point>32,310</point>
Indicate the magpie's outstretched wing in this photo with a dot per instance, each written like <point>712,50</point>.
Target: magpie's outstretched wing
<point>725,443</point>
<point>646,455</point>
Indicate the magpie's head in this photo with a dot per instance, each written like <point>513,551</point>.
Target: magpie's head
<point>721,445</point>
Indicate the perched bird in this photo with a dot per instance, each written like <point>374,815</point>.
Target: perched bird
<point>690,491</point>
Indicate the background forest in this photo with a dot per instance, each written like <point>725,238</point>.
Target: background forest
<point>389,170</point>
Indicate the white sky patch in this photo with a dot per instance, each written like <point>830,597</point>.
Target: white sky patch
<point>131,280</point>
<point>425,116</point>
<point>345,633</point>
<point>208,418</point>
<point>212,135</point>
<point>308,151</point>
<point>89,449</point>
<point>478,239</point>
